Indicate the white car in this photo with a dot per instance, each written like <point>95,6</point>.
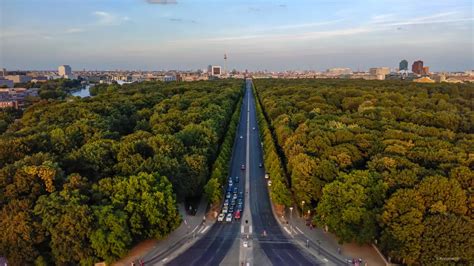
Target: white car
<point>245,244</point>
<point>229,217</point>
<point>253,128</point>
<point>241,137</point>
<point>269,183</point>
<point>267,176</point>
<point>220,218</point>
<point>224,210</point>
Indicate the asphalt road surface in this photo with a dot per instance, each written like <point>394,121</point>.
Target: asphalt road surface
<point>213,246</point>
<point>275,244</point>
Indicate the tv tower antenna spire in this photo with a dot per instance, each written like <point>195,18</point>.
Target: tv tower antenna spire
<point>225,64</point>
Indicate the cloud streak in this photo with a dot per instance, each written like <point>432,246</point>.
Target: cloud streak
<point>162,2</point>
<point>109,19</point>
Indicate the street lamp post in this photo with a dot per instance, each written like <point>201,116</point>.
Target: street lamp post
<point>302,207</point>
<point>291,217</point>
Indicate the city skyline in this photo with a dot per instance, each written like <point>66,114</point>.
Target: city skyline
<point>257,35</point>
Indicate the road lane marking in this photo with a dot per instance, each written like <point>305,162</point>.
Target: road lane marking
<point>200,229</point>
<point>205,229</point>
<point>195,228</point>
<point>286,229</point>
<point>325,260</point>
<point>299,230</point>
<point>242,229</point>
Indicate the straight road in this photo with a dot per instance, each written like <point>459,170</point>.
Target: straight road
<point>213,246</point>
<point>275,247</point>
<point>275,244</point>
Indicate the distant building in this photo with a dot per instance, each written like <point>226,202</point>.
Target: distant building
<point>453,80</point>
<point>8,104</point>
<point>439,77</point>
<point>40,79</point>
<point>3,73</point>
<point>215,71</point>
<point>169,78</point>
<point>339,71</point>
<point>18,78</point>
<point>426,70</point>
<point>403,65</point>
<point>379,71</point>
<point>6,83</point>
<point>65,71</point>
<point>417,67</point>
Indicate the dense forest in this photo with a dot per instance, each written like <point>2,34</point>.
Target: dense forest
<point>384,162</point>
<point>82,180</point>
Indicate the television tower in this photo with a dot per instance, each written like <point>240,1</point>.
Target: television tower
<point>225,64</point>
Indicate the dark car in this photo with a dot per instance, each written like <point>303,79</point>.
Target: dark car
<point>242,167</point>
<point>237,179</point>
<point>260,165</point>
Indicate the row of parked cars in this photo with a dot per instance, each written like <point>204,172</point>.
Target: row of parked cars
<point>233,202</point>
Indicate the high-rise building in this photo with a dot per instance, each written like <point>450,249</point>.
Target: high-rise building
<point>426,70</point>
<point>379,71</point>
<point>64,71</point>
<point>403,65</point>
<point>216,71</point>
<point>417,67</point>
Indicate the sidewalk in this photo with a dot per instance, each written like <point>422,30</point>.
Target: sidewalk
<point>159,249</point>
<point>328,242</point>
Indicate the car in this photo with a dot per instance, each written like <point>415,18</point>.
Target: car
<point>240,201</point>
<point>241,137</point>
<point>242,167</point>
<point>227,196</point>
<point>220,218</point>
<point>260,165</point>
<point>228,218</point>
<point>253,128</point>
<point>234,196</point>
<point>237,215</point>
<point>236,189</point>
<point>231,182</point>
<point>226,203</point>
<point>229,188</point>
<point>241,194</point>
<point>245,244</point>
<point>231,209</point>
<point>269,183</point>
<point>237,179</point>
<point>267,176</point>
<point>225,210</point>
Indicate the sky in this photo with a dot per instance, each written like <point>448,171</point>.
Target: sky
<point>255,35</point>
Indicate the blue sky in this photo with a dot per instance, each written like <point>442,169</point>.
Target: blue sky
<point>273,35</point>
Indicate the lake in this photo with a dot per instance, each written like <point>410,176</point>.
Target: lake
<point>84,92</point>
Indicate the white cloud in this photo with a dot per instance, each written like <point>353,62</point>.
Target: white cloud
<point>439,18</point>
<point>109,19</point>
<point>74,30</point>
